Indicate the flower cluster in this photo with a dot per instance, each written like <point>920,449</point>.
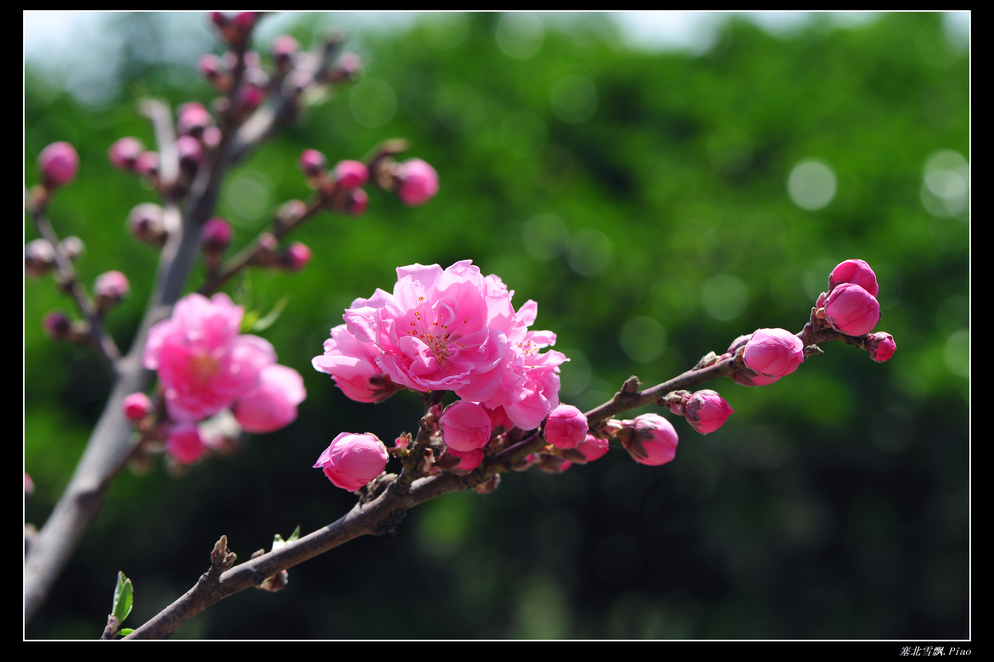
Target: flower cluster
<point>850,304</point>
<point>205,366</point>
<point>446,330</point>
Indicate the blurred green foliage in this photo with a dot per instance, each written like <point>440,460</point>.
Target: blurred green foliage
<point>621,190</point>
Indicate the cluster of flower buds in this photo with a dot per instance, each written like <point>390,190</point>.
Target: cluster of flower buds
<point>340,188</point>
<point>850,305</point>
<point>205,367</point>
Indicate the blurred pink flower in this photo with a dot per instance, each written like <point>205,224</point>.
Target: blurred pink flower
<point>185,443</point>
<point>273,404</point>
<point>202,362</point>
<point>417,182</point>
<point>59,164</point>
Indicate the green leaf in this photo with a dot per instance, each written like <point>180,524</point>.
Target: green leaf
<point>122,598</point>
<point>294,535</point>
<point>124,632</point>
<point>263,323</point>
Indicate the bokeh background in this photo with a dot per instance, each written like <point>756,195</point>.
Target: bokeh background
<point>658,194</point>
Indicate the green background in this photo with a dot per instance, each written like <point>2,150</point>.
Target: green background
<point>642,200</point>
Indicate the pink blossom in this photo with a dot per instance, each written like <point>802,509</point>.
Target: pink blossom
<point>352,364</point>
<point>185,443</point>
<point>706,411</point>
<point>273,404</point>
<point>465,426</point>
<point>352,460</point>
<point>451,330</point>
<point>566,427</point>
<point>192,119</point>
<point>202,362</point>
<point>350,174</point>
<point>773,352</point>
<point>852,310</point>
<point>215,236</point>
<point>593,448</point>
<point>112,285</point>
<point>312,162</point>
<point>136,406</point>
<point>854,271</point>
<point>59,164</point>
<point>654,440</point>
<point>124,152</point>
<point>417,182</point>
<point>881,346</point>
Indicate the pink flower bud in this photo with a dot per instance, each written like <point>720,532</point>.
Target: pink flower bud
<point>146,222</point>
<point>465,426</point>
<point>852,310</point>
<point>654,440</point>
<point>773,352</point>
<point>190,152</point>
<point>273,404</point>
<point>283,47</point>
<point>137,406</point>
<point>593,448</point>
<point>147,163</point>
<point>29,485</point>
<point>357,202</point>
<point>291,212</point>
<point>350,174</point>
<point>566,427</point>
<point>750,378</point>
<point>192,119</point>
<point>297,256</point>
<point>417,182</point>
<point>706,411</point>
<point>312,162</point>
<point>125,152</point>
<point>210,66</point>
<point>57,325</point>
<point>881,346</point>
<point>185,443</point>
<point>59,164</point>
<point>39,257</point>
<point>215,236</point>
<point>72,246</point>
<point>467,460</point>
<point>857,272</point>
<point>352,460</point>
<point>111,286</point>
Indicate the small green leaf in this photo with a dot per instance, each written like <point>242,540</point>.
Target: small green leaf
<point>294,535</point>
<point>263,323</point>
<point>122,598</point>
<point>124,632</point>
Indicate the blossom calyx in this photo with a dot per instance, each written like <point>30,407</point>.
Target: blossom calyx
<point>352,460</point>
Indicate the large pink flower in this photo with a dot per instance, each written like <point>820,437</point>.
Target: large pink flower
<point>453,329</point>
<point>202,362</point>
<point>273,404</point>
